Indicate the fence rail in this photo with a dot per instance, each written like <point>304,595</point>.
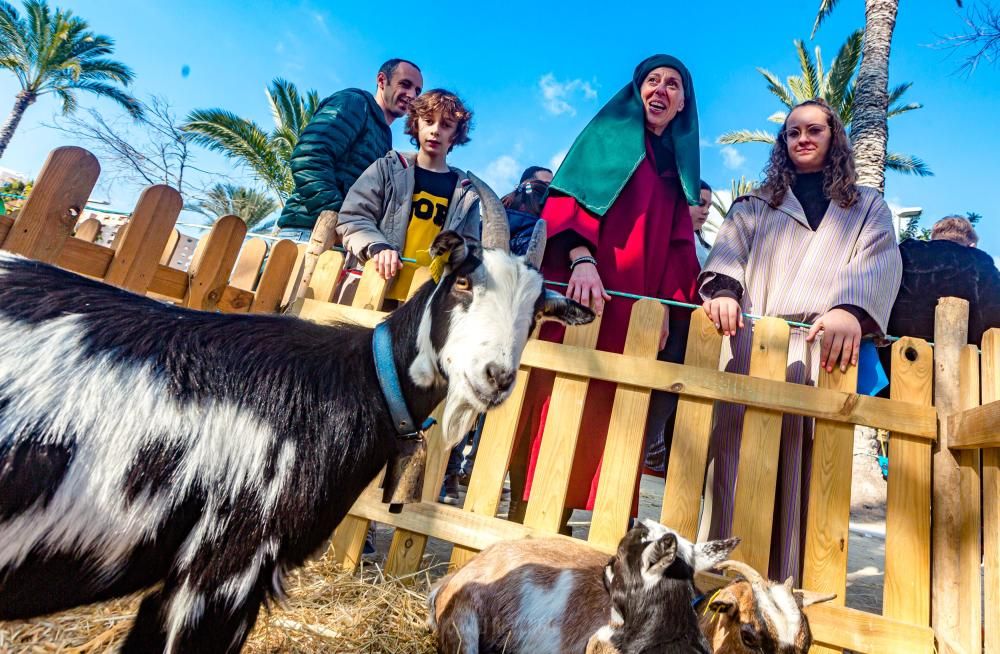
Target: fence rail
<point>941,472</point>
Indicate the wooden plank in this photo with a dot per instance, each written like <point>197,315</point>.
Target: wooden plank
<point>626,433</point>
<point>168,249</point>
<point>293,282</point>
<point>836,627</point>
<point>48,216</point>
<point>235,300</point>
<point>757,475</point>
<point>798,399</point>
<point>991,498</point>
<point>170,283</point>
<point>907,590</point>
<point>88,230</point>
<point>85,258</point>
<point>559,438</point>
<point>210,271</point>
<point>6,222</point>
<point>825,553</point>
<point>975,428</point>
<point>970,622</point>
<point>349,537</point>
<point>692,433</point>
<point>275,278</point>
<point>492,460</point>
<point>325,277</point>
<point>146,234</point>
<point>329,313</point>
<point>248,265</point>
<point>321,240</point>
<point>950,337</point>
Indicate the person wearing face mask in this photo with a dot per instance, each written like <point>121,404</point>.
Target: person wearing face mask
<point>348,131</point>
<point>617,215</point>
<point>808,245</point>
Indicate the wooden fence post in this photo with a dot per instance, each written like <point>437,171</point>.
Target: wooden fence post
<point>274,279</point>
<point>322,238</point>
<point>626,433</point>
<point>248,265</point>
<point>907,589</point>
<point>951,322</point>
<point>969,554</point>
<point>209,273</point>
<point>991,498</point>
<point>168,249</point>
<point>325,277</point>
<point>760,445</point>
<point>828,517</point>
<point>559,438</point>
<point>349,537</point>
<point>692,433</point>
<point>88,230</point>
<point>293,282</point>
<point>49,215</point>
<point>145,236</point>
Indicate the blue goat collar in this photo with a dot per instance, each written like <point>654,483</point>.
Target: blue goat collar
<point>388,381</point>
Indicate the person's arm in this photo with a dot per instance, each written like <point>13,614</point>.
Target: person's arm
<point>722,281</point>
<point>321,149</point>
<point>361,213</point>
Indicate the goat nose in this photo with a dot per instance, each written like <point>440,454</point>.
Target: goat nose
<point>500,378</point>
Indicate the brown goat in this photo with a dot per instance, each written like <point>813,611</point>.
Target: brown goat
<point>755,616</point>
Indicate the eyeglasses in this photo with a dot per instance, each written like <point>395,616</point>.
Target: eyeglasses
<point>794,133</point>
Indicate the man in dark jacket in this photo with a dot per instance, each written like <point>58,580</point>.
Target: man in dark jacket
<point>949,265</point>
<point>348,132</point>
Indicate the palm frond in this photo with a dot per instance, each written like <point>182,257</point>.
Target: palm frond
<point>778,89</point>
<point>746,136</point>
<point>249,204</point>
<point>127,101</point>
<point>810,76</point>
<point>902,109</point>
<point>897,92</point>
<point>843,69</point>
<point>907,164</point>
<point>69,102</point>
<point>825,8</point>
<point>799,87</point>
<point>778,117</point>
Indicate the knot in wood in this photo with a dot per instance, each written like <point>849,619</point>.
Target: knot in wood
<point>849,404</point>
<point>214,295</point>
<point>676,387</point>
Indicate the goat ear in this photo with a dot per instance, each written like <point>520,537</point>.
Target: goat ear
<point>451,243</point>
<point>659,555</point>
<point>563,309</point>
<point>725,601</point>
<point>709,554</point>
<point>808,598</point>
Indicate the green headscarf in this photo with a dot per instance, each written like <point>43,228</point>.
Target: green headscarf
<point>613,144</point>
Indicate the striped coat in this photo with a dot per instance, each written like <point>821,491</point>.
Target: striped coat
<point>789,271</point>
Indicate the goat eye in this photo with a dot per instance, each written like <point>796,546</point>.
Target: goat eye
<point>749,636</point>
<point>463,283</point>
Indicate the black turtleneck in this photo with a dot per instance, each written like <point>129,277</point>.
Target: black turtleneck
<point>808,189</point>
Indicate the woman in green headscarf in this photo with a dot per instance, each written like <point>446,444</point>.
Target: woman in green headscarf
<point>618,218</point>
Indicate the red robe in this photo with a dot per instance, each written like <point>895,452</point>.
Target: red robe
<point>644,245</point>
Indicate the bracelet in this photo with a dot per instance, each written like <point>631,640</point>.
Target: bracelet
<point>584,259</point>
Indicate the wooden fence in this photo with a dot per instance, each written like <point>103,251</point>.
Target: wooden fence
<point>952,473</point>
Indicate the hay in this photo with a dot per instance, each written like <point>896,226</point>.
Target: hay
<point>326,610</point>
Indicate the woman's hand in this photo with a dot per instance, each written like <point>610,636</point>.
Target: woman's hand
<point>387,263</point>
<point>841,339</point>
<point>725,314</point>
<point>665,328</point>
<point>585,287</point>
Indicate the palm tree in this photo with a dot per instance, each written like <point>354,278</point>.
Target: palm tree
<point>249,204</point>
<point>838,86</point>
<point>869,130</point>
<point>268,155</point>
<point>737,188</point>
<point>55,53</point>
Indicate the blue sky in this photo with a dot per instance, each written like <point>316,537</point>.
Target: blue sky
<point>535,75</point>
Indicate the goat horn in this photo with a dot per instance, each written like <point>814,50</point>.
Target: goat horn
<point>536,246</point>
<point>748,572</point>
<point>496,230</point>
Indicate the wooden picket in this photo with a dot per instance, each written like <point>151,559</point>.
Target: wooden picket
<point>917,591</point>
<point>758,466</point>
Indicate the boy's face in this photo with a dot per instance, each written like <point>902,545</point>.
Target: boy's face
<point>436,134</point>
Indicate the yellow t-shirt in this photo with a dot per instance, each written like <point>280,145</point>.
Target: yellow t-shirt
<point>428,210</point>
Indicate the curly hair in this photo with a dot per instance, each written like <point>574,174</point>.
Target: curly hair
<point>450,105</point>
<point>839,177</point>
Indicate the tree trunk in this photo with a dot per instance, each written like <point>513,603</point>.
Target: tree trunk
<point>869,131</point>
<point>23,101</point>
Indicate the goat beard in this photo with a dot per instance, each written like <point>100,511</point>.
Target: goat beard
<point>460,417</point>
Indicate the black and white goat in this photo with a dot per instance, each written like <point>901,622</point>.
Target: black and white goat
<point>562,596</point>
<point>144,444</point>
